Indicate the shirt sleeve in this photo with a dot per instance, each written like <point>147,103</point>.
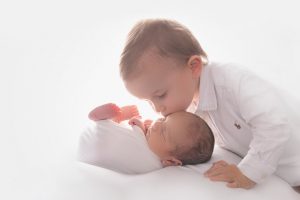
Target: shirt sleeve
<point>263,111</point>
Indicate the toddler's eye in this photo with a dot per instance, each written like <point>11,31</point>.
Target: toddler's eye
<point>162,96</point>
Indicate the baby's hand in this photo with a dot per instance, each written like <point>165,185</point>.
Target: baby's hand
<point>147,123</point>
<point>230,173</point>
<point>137,122</point>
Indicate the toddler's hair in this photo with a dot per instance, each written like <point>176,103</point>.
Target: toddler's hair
<point>200,143</point>
<point>167,37</point>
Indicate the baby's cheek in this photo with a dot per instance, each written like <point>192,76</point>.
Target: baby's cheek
<point>151,147</point>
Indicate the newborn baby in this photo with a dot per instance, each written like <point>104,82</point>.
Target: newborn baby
<point>181,138</point>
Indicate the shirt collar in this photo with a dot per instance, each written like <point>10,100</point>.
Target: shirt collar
<point>207,94</point>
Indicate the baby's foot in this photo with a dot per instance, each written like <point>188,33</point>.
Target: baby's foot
<point>127,112</point>
<point>106,111</point>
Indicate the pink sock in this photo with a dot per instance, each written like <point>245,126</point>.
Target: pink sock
<point>106,111</point>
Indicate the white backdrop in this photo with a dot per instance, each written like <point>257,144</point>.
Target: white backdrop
<point>59,59</point>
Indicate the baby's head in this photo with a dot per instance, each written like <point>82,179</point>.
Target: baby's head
<point>181,138</point>
<point>162,63</point>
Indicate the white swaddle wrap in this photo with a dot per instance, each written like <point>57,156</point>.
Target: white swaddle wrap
<point>117,147</point>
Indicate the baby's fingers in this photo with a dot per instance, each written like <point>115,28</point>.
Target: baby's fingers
<point>133,121</point>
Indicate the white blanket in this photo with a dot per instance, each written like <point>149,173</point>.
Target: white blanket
<point>162,183</point>
<point>117,147</point>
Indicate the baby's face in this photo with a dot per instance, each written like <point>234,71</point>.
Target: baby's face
<point>158,137</point>
<point>167,86</point>
<point>163,134</point>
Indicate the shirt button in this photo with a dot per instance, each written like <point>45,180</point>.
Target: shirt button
<point>237,125</point>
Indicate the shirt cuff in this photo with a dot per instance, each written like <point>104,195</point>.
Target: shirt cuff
<point>256,169</point>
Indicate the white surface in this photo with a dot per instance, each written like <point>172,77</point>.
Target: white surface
<point>78,181</point>
<point>58,59</point>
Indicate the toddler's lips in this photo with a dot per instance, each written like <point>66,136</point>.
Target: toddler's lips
<point>147,134</point>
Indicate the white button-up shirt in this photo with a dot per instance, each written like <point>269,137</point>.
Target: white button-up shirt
<point>250,118</point>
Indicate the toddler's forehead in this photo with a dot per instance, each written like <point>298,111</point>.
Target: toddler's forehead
<point>153,57</point>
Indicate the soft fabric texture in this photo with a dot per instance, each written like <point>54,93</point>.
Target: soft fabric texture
<point>117,147</point>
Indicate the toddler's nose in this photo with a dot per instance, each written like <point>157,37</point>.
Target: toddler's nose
<point>159,108</point>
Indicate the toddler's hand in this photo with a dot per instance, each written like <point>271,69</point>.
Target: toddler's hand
<point>230,173</point>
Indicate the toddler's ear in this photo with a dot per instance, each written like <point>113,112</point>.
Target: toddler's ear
<point>171,162</point>
<point>195,64</point>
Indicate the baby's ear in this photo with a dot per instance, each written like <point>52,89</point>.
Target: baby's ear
<point>171,162</point>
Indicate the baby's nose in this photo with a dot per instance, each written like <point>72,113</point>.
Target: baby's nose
<point>155,126</point>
